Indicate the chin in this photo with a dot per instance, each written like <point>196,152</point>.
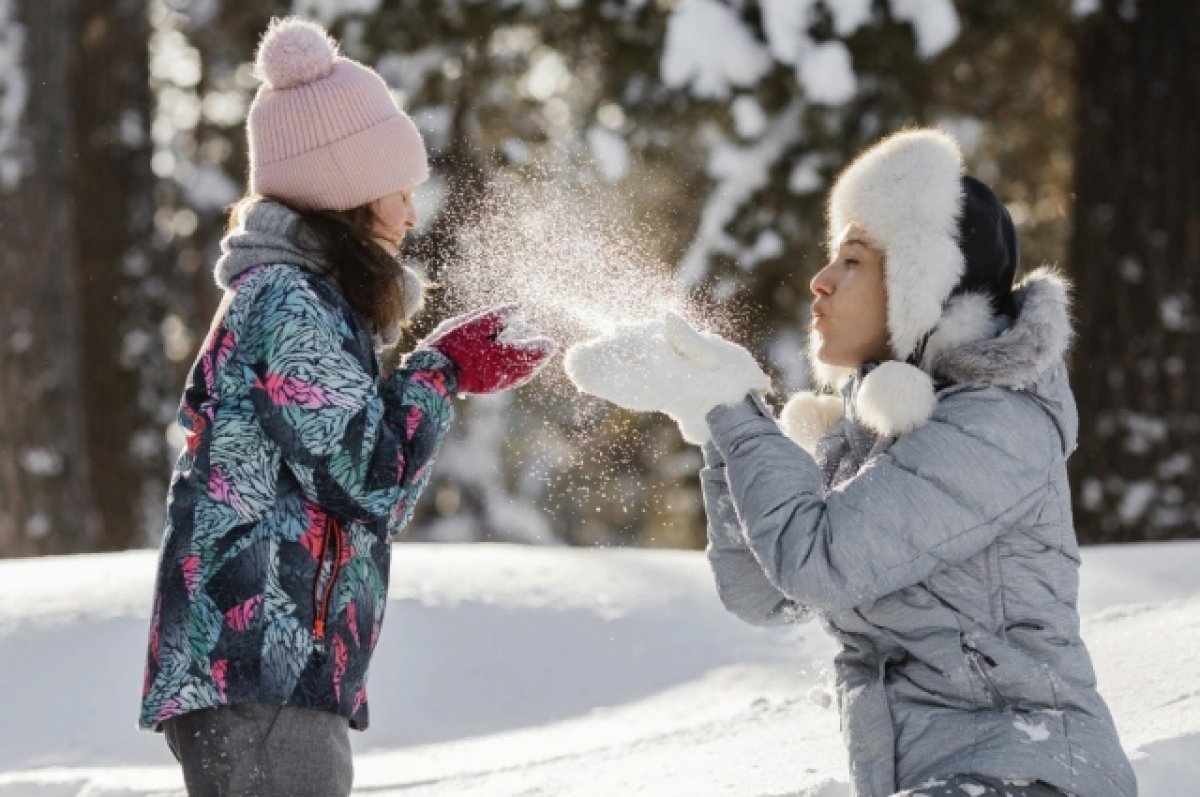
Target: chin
<point>827,355</point>
<point>828,368</point>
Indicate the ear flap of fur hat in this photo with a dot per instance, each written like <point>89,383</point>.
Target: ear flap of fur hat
<point>807,416</point>
<point>895,398</point>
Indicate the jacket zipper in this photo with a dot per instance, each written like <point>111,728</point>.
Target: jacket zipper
<point>321,596</point>
<point>980,669</point>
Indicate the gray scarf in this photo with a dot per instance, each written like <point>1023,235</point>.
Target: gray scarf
<point>271,234</point>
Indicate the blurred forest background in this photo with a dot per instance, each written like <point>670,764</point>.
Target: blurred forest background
<point>716,124</point>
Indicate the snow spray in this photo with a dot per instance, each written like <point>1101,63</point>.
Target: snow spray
<point>565,248</point>
<point>560,248</point>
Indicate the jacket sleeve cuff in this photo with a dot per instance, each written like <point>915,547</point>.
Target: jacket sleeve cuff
<point>434,364</point>
<point>733,424</point>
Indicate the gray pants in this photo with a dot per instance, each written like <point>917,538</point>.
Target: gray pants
<point>255,750</point>
<point>981,786</point>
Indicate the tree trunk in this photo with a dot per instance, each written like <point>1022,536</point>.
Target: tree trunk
<point>1136,259</point>
<point>44,492</point>
<point>123,361</point>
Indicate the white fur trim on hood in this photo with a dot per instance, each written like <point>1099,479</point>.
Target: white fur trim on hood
<point>906,192</point>
<point>1038,339</point>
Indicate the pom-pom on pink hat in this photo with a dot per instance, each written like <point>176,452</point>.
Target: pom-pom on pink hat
<point>325,132</point>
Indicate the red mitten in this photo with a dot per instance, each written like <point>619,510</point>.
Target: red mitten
<point>489,356</point>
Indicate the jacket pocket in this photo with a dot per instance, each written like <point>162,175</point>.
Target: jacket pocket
<point>979,665</point>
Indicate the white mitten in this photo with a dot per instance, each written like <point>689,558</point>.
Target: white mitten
<point>666,366</point>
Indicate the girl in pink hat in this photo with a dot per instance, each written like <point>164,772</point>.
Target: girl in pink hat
<point>303,459</point>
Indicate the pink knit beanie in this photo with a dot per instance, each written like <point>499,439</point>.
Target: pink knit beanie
<point>324,130</point>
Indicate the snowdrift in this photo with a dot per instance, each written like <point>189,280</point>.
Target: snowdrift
<point>551,671</point>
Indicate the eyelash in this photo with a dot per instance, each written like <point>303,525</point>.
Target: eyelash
<point>851,261</point>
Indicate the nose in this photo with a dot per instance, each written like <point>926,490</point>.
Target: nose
<point>410,217</point>
<point>822,283</point>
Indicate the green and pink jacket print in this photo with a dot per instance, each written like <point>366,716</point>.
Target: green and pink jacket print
<point>301,465</point>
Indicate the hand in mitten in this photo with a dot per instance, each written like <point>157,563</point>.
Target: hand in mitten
<point>666,366</point>
<point>492,349</point>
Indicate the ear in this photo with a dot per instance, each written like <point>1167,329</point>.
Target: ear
<point>807,416</point>
<point>895,399</point>
<point>688,342</point>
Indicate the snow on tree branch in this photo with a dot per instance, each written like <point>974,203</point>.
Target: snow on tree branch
<point>14,91</point>
<point>709,50</point>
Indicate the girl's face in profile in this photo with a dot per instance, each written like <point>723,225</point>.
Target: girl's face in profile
<point>850,309</point>
<point>394,217</point>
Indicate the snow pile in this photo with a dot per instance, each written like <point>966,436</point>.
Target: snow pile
<point>536,671</point>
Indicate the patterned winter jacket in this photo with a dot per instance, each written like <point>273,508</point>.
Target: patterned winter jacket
<point>301,463</point>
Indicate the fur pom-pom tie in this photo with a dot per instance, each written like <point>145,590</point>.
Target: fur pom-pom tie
<point>807,416</point>
<point>293,52</point>
<point>895,399</point>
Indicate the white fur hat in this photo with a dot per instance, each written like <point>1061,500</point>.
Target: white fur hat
<point>943,235</point>
<point>906,192</point>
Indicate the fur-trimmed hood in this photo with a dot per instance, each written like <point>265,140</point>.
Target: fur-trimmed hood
<point>969,346</point>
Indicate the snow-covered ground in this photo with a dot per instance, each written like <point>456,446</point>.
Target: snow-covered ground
<point>549,671</point>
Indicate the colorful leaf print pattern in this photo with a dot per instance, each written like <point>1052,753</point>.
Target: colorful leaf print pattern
<point>239,617</point>
<point>300,464</point>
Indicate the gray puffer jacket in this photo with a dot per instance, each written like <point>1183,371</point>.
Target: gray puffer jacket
<point>944,561</point>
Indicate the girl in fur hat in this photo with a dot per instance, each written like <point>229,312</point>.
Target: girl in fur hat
<point>303,458</point>
<point>920,504</point>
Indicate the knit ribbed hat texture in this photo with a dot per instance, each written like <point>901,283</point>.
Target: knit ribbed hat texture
<point>324,131</point>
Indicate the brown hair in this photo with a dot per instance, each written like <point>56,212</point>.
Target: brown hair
<point>369,277</point>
